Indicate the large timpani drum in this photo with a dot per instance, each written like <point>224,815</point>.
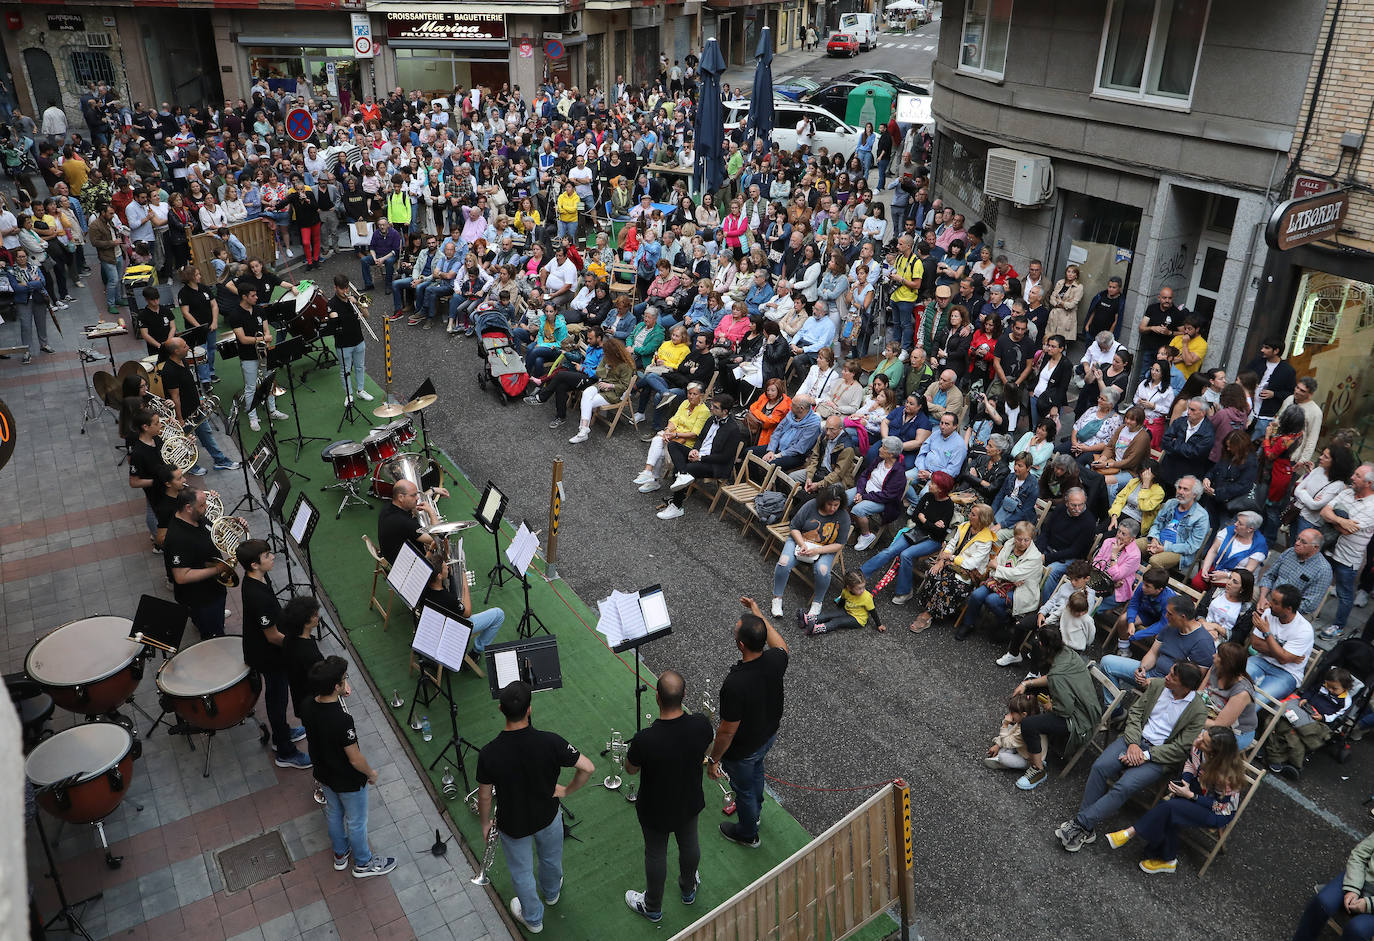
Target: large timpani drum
<point>381,444</point>
<point>89,666</point>
<point>208,685</point>
<point>97,756</point>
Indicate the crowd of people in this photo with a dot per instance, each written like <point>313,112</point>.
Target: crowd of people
<point>998,453</point>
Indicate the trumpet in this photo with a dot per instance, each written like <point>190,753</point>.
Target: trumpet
<point>227,533</point>
<point>709,711</point>
<point>488,854</point>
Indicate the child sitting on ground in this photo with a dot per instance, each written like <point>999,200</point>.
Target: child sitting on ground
<point>1008,751</point>
<point>1306,723</point>
<point>857,602</point>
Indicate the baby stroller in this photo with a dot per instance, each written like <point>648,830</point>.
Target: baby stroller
<point>502,364</point>
<point>1356,656</point>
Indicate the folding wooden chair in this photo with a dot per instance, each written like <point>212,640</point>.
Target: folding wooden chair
<point>380,568</point>
<point>621,270</point>
<point>1213,841</point>
<point>709,489</point>
<point>780,483</point>
<point>1042,509</point>
<point>755,474</point>
<point>611,414</point>
<point>1103,723</point>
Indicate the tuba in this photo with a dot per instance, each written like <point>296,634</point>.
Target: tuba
<point>180,452</point>
<point>227,533</point>
<point>489,854</point>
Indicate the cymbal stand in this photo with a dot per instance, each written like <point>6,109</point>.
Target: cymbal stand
<point>67,914</point>
<point>91,408</point>
<point>424,435</point>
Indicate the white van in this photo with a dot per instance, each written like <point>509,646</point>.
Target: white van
<point>831,133</point>
<point>862,26</point>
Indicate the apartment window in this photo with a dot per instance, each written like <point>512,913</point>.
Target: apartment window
<point>987,24</point>
<point>1150,50</point>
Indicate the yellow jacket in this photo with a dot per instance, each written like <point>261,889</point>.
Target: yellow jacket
<point>672,354</point>
<point>689,421</point>
<point>568,204</point>
<point>1149,501</point>
<point>527,222</point>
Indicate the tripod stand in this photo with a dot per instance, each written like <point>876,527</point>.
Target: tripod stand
<point>529,621</point>
<point>456,744</point>
<point>68,911</point>
<point>350,412</point>
<point>285,354</point>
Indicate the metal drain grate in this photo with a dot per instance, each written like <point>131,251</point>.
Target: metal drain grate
<point>254,861</point>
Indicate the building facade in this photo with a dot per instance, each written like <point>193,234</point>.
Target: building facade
<point>1145,139</point>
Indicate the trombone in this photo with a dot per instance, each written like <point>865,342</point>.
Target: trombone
<point>362,305</point>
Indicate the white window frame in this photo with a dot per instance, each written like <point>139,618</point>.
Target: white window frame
<point>981,70</point>
<point>1142,96</point>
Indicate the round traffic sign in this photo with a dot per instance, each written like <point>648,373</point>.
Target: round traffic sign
<point>362,45</point>
<point>299,124</point>
<point>553,49</point>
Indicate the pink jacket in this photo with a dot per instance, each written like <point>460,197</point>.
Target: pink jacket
<point>1123,571</point>
<point>734,227</point>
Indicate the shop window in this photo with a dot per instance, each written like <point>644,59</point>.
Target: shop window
<point>1150,50</point>
<point>987,24</point>
<point>92,67</point>
<point>1330,334</point>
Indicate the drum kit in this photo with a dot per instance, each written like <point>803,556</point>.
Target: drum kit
<point>382,455</point>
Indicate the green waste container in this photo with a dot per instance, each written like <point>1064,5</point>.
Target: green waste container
<point>870,102</point>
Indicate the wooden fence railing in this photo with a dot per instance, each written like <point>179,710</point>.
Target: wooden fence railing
<point>830,888</point>
<point>255,234</point>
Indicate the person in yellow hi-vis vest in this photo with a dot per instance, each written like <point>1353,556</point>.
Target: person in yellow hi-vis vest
<point>907,272</point>
<point>398,205</point>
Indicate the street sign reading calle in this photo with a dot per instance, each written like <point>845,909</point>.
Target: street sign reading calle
<point>1310,219</point>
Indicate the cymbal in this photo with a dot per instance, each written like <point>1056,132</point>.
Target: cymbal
<point>388,410</point>
<point>423,402</point>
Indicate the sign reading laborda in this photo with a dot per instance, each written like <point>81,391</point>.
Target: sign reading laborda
<point>1310,219</point>
<point>447,27</point>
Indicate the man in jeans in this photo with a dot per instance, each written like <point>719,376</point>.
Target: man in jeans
<point>104,233</point>
<point>519,769</point>
<point>1159,734</point>
<point>1352,514</point>
<point>751,702</point>
<point>341,769</point>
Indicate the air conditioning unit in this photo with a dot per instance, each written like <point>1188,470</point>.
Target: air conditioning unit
<point>572,22</point>
<point>98,40</point>
<point>1025,179</point>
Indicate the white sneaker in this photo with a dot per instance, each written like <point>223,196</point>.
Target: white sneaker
<point>639,417</point>
<point>865,541</point>
<point>289,253</point>
<point>1009,659</point>
<point>650,487</point>
<point>364,395</point>
<point>277,415</point>
<point>814,610</point>
<point>902,356</point>
<point>671,512</point>
<point>253,423</point>
<point>682,480</point>
<point>902,599</point>
<point>520,917</point>
<point>644,477</point>
<point>777,607</point>
<point>1361,598</point>
<point>582,435</point>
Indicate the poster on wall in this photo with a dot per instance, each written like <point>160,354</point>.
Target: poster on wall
<point>447,27</point>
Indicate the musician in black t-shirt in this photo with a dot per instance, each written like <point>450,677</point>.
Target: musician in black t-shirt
<point>145,459</point>
<point>262,648</point>
<point>669,754</point>
<point>297,623</point>
<point>396,523</point>
<point>194,565</point>
<point>249,328</point>
<point>348,342</point>
<point>200,309</point>
<point>523,765</point>
<point>183,389</point>
<point>751,701</point>
<point>341,769</point>
<point>156,324</point>
<point>168,483</point>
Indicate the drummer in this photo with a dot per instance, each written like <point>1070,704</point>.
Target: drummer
<point>249,327</point>
<point>156,324</point>
<point>263,648</point>
<point>397,525</point>
<point>200,309</point>
<point>193,564</point>
<point>183,390</point>
<point>348,342</point>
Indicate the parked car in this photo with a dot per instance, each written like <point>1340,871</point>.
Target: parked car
<point>842,44</point>
<point>834,97</point>
<point>881,75</point>
<point>862,26</point>
<point>793,87</point>
<point>831,133</point>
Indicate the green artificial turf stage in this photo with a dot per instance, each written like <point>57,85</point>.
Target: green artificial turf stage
<point>607,858</point>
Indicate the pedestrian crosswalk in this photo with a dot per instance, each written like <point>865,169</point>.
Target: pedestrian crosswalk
<point>928,47</point>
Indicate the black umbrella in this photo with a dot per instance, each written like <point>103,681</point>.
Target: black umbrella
<point>709,130</point>
<point>760,123</point>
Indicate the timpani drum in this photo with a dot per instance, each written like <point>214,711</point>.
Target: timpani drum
<point>408,466</point>
<point>208,685</point>
<point>195,356</point>
<point>404,430</point>
<point>381,444</point>
<point>89,667</point>
<point>348,459</point>
<point>312,311</point>
<point>98,760</point>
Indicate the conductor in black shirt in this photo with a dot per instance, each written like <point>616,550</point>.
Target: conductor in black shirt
<point>262,648</point>
<point>523,764</point>
<point>669,754</point>
<point>751,700</point>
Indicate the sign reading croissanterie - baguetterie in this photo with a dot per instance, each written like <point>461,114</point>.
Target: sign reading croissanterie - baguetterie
<point>447,26</point>
<point>1300,221</point>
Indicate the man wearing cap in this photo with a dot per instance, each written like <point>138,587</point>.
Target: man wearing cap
<point>935,321</point>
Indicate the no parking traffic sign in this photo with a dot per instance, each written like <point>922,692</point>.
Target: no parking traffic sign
<point>553,49</point>
<point>299,124</point>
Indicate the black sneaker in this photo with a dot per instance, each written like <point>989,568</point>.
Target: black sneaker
<point>689,897</point>
<point>557,422</point>
<point>730,831</point>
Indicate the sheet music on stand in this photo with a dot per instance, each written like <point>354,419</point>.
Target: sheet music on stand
<point>409,575</point>
<point>507,668</point>
<point>300,523</point>
<point>442,637</point>
<point>523,545</point>
<point>628,619</point>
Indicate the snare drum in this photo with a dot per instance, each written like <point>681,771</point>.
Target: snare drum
<point>348,458</point>
<point>207,684</point>
<point>312,311</point>
<point>408,466</point>
<point>89,666</point>
<point>404,430</point>
<point>381,444</point>
<point>101,757</point>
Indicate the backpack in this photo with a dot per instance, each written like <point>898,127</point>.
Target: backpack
<point>768,506</point>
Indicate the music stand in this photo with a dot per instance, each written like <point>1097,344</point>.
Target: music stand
<point>490,508</point>
<point>285,354</point>
<point>68,911</point>
<point>410,575</point>
<point>299,530</point>
<point>351,412</point>
<point>261,394</point>
<point>426,388</point>
<point>442,638</point>
<point>278,489</point>
<point>521,553</point>
<point>638,624</point>
<point>535,661</point>
<point>163,621</point>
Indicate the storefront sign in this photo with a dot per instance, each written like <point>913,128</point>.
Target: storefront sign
<point>1304,185</point>
<point>526,49</point>
<point>363,47</point>
<point>66,22</point>
<point>447,27</point>
<point>1300,221</point>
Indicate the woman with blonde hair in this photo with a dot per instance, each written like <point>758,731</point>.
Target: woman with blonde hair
<point>1064,301</point>
<point>959,566</point>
